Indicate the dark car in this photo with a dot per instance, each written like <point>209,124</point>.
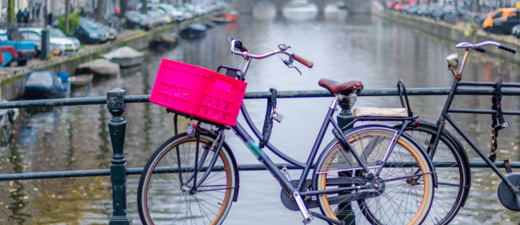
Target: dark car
<point>135,20</point>
<point>89,32</point>
<point>417,9</point>
<point>444,12</point>
<point>502,21</point>
<point>111,31</point>
<point>516,31</point>
<point>428,12</point>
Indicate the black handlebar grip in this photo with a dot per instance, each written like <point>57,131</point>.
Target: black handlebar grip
<point>240,45</point>
<point>507,48</point>
<point>481,50</point>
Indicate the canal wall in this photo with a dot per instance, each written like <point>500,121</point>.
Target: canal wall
<point>12,82</point>
<point>454,33</point>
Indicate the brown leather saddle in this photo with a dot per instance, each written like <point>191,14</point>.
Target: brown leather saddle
<point>344,88</point>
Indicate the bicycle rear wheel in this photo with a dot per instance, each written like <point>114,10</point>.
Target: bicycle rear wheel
<point>406,192</point>
<point>166,196</point>
<point>453,180</point>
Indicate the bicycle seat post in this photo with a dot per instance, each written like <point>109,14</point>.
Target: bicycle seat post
<point>345,116</point>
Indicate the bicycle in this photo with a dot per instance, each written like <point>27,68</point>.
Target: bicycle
<point>460,184</point>
<point>365,175</point>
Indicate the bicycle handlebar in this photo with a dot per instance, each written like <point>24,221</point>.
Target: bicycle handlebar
<point>237,44</point>
<point>478,46</point>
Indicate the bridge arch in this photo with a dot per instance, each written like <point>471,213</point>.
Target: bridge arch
<point>354,6</point>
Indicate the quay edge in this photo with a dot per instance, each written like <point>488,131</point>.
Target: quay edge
<point>453,33</point>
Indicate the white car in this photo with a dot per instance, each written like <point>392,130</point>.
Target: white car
<point>67,45</point>
<point>168,9</point>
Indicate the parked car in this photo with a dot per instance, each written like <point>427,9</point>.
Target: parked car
<point>502,21</point>
<point>25,50</point>
<point>175,14</point>
<point>53,48</point>
<point>111,31</point>
<point>428,12</point>
<point>89,32</point>
<point>135,20</point>
<point>161,18</point>
<point>516,31</point>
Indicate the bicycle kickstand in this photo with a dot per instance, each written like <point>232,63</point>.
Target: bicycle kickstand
<point>322,217</point>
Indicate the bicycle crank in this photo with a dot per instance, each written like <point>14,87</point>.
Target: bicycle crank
<point>506,197</point>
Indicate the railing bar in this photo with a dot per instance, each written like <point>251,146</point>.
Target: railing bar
<point>243,167</point>
<point>488,84</point>
<point>55,174</point>
<point>483,111</point>
<point>53,102</point>
<point>263,94</point>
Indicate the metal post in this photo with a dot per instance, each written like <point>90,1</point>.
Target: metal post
<point>44,50</point>
<point>345,117</point>
<point>117,128</point>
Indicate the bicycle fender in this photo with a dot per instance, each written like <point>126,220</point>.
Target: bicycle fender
<point>233,160</point>
<point>335,141</point>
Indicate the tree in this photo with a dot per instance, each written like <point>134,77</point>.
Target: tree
<point>10,11</point>
<point>99,10</point>
<point>145,6</point>
<point>67,12</point>
<point>455,4</point>
<point>122,10</point>
<point>477,5</point>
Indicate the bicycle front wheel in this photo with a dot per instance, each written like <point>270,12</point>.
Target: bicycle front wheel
<point>406,192</point>
<point>166,194</point>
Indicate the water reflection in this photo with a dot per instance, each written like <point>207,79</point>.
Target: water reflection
<point>336,12</point>
<point>264,11</point>
<point>300,10</point>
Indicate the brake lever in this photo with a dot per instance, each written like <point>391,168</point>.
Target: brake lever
<point>289,63</point>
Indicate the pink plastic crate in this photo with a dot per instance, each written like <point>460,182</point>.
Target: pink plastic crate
<point>198,92</point>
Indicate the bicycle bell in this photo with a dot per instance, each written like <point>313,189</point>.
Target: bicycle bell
<point>283,47</point>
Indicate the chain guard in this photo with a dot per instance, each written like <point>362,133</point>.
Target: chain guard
<point>289,202</point>
<point>506,197</point>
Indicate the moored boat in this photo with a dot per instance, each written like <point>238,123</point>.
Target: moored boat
<point>232,15</point>
<point>221,20</point>
<point>164,41</point>
<point>45,84</point>
<point>125,56</point>
<point>81,80</point>
<point>99,67</point>
<point>195,30</point>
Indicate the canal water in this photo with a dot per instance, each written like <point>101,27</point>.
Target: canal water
<point>343,47</point>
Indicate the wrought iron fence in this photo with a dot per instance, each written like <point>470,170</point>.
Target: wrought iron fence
<point>116,101</point>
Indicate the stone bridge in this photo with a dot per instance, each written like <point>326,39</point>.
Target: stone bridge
<point>353,6</point>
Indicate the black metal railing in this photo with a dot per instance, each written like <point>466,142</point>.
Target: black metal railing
<point>116,101</point>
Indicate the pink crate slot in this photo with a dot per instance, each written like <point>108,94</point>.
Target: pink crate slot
<point>198,92</point>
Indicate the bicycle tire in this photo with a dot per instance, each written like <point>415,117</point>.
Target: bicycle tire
<point>377,208</point>
<point>453,182</point>
<point>165,200</point>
